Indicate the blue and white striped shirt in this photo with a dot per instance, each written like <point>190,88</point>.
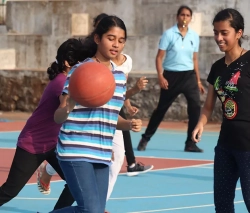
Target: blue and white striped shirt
<point>87,133</point>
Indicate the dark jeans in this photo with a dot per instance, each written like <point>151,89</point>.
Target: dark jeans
<point>88,183</point>
<point>23,167</point>
<point>179,83</point>
<point>229,166</point>
<point>130,157</point>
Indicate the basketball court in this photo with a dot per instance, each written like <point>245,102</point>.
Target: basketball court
<point>180,182</point>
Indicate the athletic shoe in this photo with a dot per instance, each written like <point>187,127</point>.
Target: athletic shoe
<point>142,145</point>
<point>192,147</point>
<point>42,187</point>
<point>138,169</point>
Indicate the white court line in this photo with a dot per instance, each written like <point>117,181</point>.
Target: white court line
<point>173,158</point>
<point>181,208</point>
<point>166,196</point>
<point>155,170</point>
<point>181,167</point>
<point>131,198</point>
<point>7,148</point>
<point>206,167</point>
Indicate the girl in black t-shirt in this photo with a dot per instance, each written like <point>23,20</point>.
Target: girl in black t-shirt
<point>229,80</point>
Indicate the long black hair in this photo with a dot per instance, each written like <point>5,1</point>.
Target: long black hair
<point>98,18</point>
<point>70,51</point>
<point>234,17</point>
<point>104,25</point>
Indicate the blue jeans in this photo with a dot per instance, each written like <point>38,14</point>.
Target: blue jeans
<point>88,183</point>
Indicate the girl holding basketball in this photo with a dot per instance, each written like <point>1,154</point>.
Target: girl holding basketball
<point>122,62</point>
<point>84,133</point>
<point>37,141</point>
<point>229,81</point>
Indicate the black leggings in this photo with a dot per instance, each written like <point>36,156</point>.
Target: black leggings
<point>23,167</point>
<point>130,157</point>
<point>229,166</point>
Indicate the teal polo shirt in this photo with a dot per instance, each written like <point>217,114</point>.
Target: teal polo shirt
<point>179,50</point>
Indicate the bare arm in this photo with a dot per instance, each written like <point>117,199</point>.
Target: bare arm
<point>65,107</point>
<point>127,103</point>
<point>140,85</point>
<point>132,110</point>
<point>197,72</point>
<point>208,107</point>
<point>196,67</point>
<point>158,62</point>
<point>123,124</point>
<point>134,124</point>
<point>132,92</point>
<point>205,114</point>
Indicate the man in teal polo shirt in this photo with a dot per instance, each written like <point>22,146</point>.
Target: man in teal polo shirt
<point>179,73</point>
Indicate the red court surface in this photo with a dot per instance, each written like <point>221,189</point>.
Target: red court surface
<point>159,164</point>
<point>17,122</point>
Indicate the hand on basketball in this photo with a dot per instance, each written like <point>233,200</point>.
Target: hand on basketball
<point>70,104</point>
<point>136,125</point>
<point>163,82</point>
<point>196,135</point>
<point>132,110</point>
<point>141,83</point>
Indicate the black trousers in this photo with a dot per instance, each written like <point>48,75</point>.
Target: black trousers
<point>179,83</point>
<point>130,157</point>
<point>23,167</point>
<point>230,166</point>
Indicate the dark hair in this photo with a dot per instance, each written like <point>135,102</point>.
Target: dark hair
<point>235,19</point>
<point>182,7</point>
<point>90,47</point>
<point>70,51</point>
<point>98,18</point>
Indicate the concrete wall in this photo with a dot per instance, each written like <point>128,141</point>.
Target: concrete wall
<point>35,29</point>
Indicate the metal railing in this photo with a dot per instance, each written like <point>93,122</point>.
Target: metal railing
<point>2,12</point>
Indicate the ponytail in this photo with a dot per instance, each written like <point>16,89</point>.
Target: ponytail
<point>53,70</point>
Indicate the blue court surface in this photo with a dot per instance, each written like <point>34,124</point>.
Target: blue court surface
<point>187,189</point>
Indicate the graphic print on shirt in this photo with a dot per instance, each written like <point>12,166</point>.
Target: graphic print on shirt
<point>231,109</point>
<point>232,83</point>
<point>226,93</point>
<point>218,88</point>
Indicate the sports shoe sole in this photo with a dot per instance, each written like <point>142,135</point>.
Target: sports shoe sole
<point>131,174</point>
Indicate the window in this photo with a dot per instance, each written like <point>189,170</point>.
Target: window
<point>2,12</point>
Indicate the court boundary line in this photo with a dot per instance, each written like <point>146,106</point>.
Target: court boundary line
<point>181,208</point>
<point>131,198</point>
<point>142,156</point>
<point>155,170</point>
<point>191,159</point>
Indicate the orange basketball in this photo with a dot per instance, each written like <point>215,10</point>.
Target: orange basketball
<point>92,84</point>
